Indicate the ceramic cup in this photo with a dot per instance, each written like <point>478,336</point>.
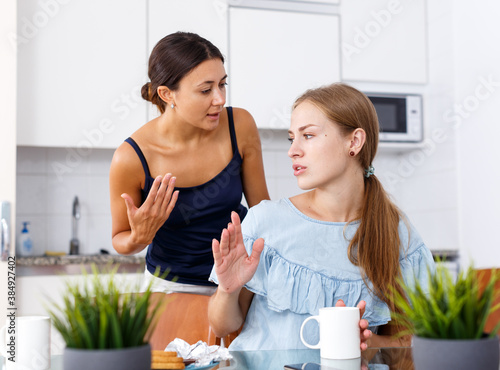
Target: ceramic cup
<point>345,364</point>
<point>27,341</point>
<point>338,333</point>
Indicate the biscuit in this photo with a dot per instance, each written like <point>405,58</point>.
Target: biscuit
<point>166,359</point>
<point>167,365</point>
<point>156,352</point>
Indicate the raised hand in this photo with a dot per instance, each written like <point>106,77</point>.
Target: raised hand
<point>233,266</point>
<point>364,333</point>
<point>152,214</point>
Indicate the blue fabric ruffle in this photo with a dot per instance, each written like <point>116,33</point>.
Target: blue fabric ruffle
<point>291,286</point>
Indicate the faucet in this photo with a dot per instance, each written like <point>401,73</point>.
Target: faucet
<point>74,244</point>
<point>5,231</point>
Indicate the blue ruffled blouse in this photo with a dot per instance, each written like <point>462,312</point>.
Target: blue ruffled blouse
<point>305,266</point>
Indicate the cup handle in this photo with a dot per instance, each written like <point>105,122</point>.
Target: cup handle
<point>315,346</point>
<point>3,343</point>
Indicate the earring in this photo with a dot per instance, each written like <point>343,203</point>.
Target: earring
<point>172,106</point>
<point>351,153</point>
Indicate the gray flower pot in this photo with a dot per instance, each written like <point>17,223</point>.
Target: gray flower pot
<point>137,358</point>
<point>457,354</point>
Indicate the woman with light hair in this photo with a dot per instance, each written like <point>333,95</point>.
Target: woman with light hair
<point>341,242</point>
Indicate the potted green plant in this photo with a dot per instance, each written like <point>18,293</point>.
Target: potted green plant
<point>104,328</point>
<point>447,320</point>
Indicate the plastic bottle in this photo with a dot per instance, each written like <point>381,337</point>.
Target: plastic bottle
<point>26,242</point>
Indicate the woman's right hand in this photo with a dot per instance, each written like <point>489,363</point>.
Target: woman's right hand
<point>364,333</point>
<point>233,266</point>
<point>146,220</point>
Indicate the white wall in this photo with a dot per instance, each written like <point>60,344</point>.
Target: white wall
<point>477,122</point>
<point>7,126</point>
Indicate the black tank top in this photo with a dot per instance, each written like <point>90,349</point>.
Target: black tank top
<point>183,245</point>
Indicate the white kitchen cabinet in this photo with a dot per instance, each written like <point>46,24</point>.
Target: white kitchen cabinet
<point>319,1</point>
<point>206,18</point>
<point>81,65</point>
<point>384,41</point>
<point>276,55</point>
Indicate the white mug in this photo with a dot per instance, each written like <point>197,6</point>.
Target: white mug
<point>345,364</point>
<point>27,341</point>
<point>338,333</point>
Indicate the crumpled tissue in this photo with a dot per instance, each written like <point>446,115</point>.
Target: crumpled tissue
<point>200,351</point>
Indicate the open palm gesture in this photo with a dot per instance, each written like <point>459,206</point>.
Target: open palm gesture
<point>233,266</point>
<point>146,220</point>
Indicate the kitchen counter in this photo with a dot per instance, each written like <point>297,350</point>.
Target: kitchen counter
<point>445,254</point>
<point>74,264</point>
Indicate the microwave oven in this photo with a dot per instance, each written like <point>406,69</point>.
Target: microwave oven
<point>400,117</point>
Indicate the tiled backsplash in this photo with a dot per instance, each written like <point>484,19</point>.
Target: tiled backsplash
<point>49,178</point>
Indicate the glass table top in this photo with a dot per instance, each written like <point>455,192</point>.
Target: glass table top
<point>373,358</point>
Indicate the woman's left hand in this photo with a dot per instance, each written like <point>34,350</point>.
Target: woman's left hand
<point>364,333</point>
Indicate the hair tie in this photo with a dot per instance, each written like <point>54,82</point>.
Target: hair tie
<point>369,171</point>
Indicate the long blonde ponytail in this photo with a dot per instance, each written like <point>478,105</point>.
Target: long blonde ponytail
<point>375,247</point>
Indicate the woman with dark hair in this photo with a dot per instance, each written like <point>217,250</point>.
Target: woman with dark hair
<point>175,181</point>
<point>341,242</point>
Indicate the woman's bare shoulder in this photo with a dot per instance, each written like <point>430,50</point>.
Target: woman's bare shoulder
<point>126,153</point>
<point>246,130</point>
<point>125,157</point>
<point>243,120</point>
